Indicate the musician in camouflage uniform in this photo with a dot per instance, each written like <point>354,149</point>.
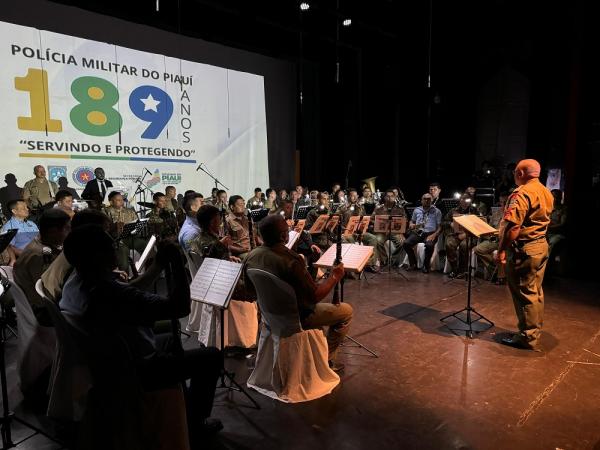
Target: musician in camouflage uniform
<point>120,216</point>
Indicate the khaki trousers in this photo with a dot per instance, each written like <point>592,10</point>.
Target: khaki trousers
<point>336,317</point>
<point>524,275</point>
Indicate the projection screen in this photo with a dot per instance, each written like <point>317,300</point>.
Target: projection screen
<point>73,104</point>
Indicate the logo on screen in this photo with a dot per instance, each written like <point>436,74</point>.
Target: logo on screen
<point>56,172</point>
<point>171,178</point>
<point>155,179</point>
<point>82,175</point>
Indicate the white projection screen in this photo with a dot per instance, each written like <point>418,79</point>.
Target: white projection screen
<point>73,104</point>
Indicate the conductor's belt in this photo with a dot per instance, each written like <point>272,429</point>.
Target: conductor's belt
<point>520,243</point>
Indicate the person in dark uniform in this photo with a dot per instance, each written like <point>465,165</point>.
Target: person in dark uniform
<point>99,186</point>
<point>524,250</point>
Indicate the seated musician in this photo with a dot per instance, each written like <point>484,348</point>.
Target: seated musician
<point>256,202</point>
<point>119,216</point>
<point>321,240</point>
<point>37,257</point>
<point>271,200</point>
<point>558,221</point>
<point>274,257</point>
<point>481,206</point>
<point>435,189</point>
<point>238,228</point>
<point>456,237</point>
<point>303,197</point>
<point>221,202</point>
<point>64,201</point>
<point>171,198</point>
<point>486,247</point>
<point>388,208</point>
<point>192,203</point>
<point>367,196</point>
<point>425,226</point>
<point>115,313</point>
<point>355,208</point>
<point>26,229</point>
<point>340,198</point>
<point>304,245</point>
<point>207,242</point>
<point>161,221</point>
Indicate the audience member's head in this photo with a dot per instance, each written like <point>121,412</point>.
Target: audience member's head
<point>274,230</point>
<point>208,217</point>
<point>159,199</point>
<point>54,225</point>
<point>237,204</point>
<point>192,203</point>
<point>99,257</point>
<point>90,217</point>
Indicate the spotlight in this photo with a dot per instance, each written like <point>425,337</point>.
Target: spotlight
<point>347,22</point>
<point>304,6</point>
<point>457,195</point>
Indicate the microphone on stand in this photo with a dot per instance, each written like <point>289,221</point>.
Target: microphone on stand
<point>199,167</point>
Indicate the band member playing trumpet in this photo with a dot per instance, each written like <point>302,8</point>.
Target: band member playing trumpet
<point>162,222</point>
<point>119,216</point>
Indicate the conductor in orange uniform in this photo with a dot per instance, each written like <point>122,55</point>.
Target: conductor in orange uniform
<point>524,250</point>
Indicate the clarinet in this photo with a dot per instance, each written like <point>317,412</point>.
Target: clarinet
<point>338,259</point>
<point>250,231</point>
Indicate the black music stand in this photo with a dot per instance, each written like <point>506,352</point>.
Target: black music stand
<point>258,214</point>
<point>6,238</point>
<point>302,212</point>
<point>369,208</point>
<point>447,204</point>
<point>130,231</point>
<point>469,310</point>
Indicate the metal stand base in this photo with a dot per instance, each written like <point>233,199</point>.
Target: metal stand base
<point>234,386</point>
<point>359,345</point>
<point>225,374</point>
<point>469,332</point>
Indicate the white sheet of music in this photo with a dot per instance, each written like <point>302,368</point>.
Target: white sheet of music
<point>144,257</point>
<point>354,257</point>
<point>293,238</point>
<point>214,282</point>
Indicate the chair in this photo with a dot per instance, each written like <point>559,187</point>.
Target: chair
<point>36,343</point>
<point>291,364</point>
<point>420,254</point>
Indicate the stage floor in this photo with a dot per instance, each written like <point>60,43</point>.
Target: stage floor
<point>432,389</point>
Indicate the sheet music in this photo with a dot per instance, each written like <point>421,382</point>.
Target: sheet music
<point>474,225</point>
<point>214,282</point>
<point>144,257</point>
<point>354,257</point>
<point>353,222</point>
<point>293,238</point>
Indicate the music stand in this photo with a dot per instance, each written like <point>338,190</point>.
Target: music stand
<point>474,227</point>
<point>390,220</point>
<point>258,214</point>
<point>130,231</point>
<point>302,212</point>
<point>211,289</point>
<point>369,208</point>
<point>448,204</point>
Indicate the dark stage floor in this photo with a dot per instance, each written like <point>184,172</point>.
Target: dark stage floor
<point>430,388</point>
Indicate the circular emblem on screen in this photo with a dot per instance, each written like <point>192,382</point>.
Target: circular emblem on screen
<point>82,175</point>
